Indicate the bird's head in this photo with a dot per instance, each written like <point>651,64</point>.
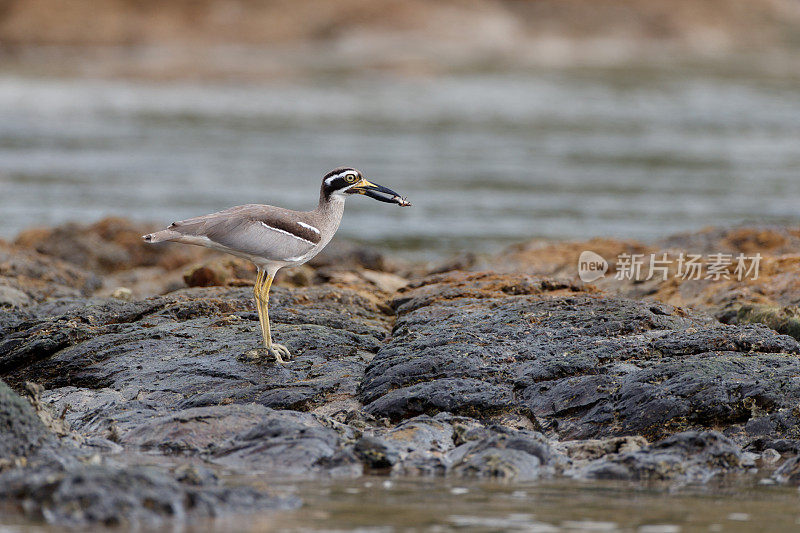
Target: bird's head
<point>344,181</point>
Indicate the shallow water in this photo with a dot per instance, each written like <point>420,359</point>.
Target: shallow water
<point>388,505</point>
<point>487,159</point>
<point>381,504</point>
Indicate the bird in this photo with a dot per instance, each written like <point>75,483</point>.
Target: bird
<point>273,237</point>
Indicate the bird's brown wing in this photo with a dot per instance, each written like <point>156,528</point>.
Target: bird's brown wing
<point>260,231</point>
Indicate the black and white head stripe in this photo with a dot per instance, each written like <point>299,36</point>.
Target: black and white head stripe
<point>339,180</point>
<point>348,175</point>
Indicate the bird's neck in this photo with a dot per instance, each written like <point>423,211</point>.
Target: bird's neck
<point>331,206</point>
<point>328,214</point>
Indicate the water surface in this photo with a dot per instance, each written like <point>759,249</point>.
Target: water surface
<point>487,159</point>
<point>389,505</point>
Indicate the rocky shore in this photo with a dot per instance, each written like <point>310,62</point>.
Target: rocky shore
<point>128,397</point>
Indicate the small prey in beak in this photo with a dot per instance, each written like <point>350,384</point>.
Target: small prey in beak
<point>378,192</point>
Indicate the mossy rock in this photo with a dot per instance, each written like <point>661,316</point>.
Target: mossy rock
<point>784,320</point>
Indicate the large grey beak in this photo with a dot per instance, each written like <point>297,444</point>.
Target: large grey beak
<point>379,192</point>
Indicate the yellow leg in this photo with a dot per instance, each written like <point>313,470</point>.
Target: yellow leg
<point>256,292</point>
<point>261,290</point>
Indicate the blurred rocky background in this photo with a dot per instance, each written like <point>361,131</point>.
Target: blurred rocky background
<point>180,38</point>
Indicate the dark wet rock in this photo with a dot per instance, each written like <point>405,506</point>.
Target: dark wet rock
<point>198,429</point>
<point>133,497</point>
<point>375,454</point>
<point>789,446</point>
<point>572,362</point>
<point>184,350</point>
<point>506,454</point>
<point>417,446</point>
<point>51,480</point>
<point>590,449</point>
<point>168,374</point>
<point>22,431</point>
<point>456,446</point>
<point>579,364</point>
<point>287,444</point>
<point>248,438</point>
<point>688,457</point>
<point>50,327</point>
<point>789,472</point>
<point>468,397</point>
<point>54,481</point>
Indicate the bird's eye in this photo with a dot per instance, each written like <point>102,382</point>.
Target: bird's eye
<point>350,178</point>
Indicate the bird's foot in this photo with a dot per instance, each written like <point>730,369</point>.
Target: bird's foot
<point>279,351</point>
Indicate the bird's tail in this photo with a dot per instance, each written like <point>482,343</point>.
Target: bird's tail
<point>161,236</point>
